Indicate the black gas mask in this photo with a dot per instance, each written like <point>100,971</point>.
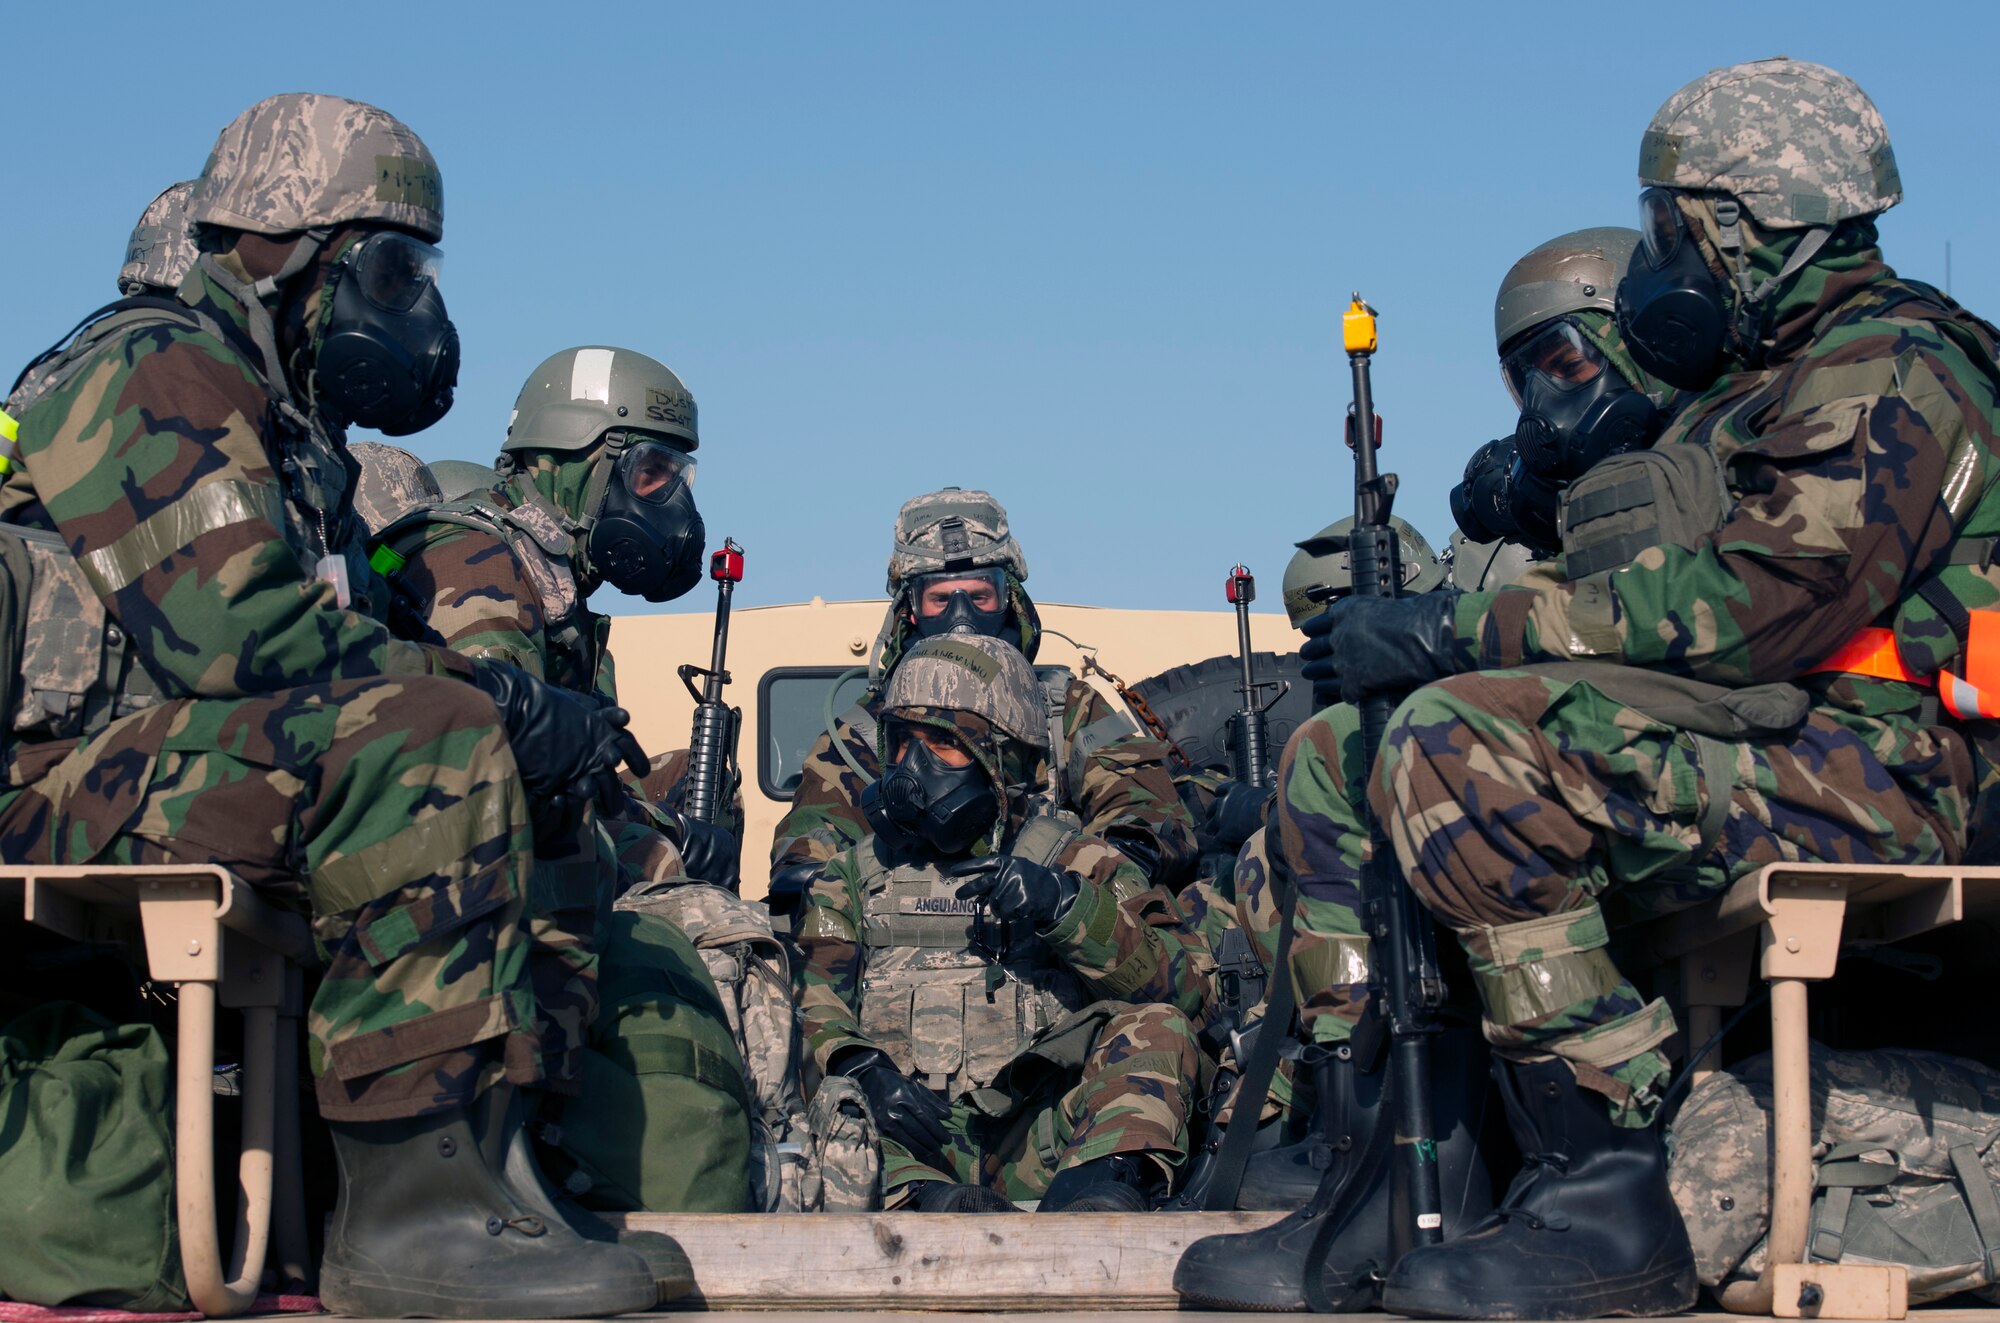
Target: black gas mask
<point>960,602</point>
<point>1672,310</point>
<point>921,800</point>
<point>388,358</point>
<point>1499,497</point>
<point>1576,406</point>
<point>645,534</point>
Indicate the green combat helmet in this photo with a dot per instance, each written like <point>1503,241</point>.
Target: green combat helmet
<point>161,250</point>
<point>302,161</point>
<point>461,477</point>
<point>1796,144</point>
<point>608,435</point>
<point>1320,572</point>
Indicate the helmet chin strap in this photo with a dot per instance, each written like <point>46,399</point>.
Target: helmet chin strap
<point>1729,228</point>
<point>252,297</point>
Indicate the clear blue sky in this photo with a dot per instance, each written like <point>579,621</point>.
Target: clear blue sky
<point>1090,256</point>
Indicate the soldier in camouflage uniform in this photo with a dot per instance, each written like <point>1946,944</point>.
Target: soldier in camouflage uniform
<point>221,690</point>
<point>1012,995</point>
<point>598,486</point>
<point>1583,399</point>
<point>955,568</point>
<point>1738,670</point>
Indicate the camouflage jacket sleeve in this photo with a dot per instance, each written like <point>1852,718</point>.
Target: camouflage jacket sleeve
<point>1125,938</point>
<point>1852,469</point>
<point>829,989</point>
<point>1126,789</point>
<point>468,593</point>
<point>152,463</point>
<point>825,817</point>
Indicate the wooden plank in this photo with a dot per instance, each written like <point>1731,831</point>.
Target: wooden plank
<point>943,1261</point>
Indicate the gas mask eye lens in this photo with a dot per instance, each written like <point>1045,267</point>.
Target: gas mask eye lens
<point>394,270</point>
<point>984,590</point>
<point>1659,227</point>
<point>1557,355</point>
<point>652,469</point>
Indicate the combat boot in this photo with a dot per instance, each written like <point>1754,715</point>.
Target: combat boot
<point>1588,1229</point>
<point>1331,1253</point>
<point>426,1227</point>
<point>1118,1183</point>
<point>505,1141</point>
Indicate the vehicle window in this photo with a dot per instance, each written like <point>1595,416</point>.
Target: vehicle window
<point>791,702</point>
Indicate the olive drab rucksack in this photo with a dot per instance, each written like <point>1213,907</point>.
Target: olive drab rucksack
<point>660,1061</point>
<point>1906,1162</point>
<point>826,1158</point>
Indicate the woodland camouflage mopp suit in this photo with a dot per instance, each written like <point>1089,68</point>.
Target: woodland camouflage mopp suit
<point>506,573</point>
<point>1102,769</point>
<point>1582,398</point>
<point>1739,671</point>
<point>1012,995</point>
<point>235,696</point>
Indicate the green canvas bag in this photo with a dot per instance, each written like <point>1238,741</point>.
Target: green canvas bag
<point>86,1163</point>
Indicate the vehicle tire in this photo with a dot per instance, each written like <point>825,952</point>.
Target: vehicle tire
<point>1195,702</point>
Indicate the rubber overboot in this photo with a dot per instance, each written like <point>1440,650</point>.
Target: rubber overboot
<point>673,1274</point>
<point>1588,1229</point>
<point>1285,1177</point>
<point>425,1227</point>
<point>1329,1254</point>
<point>1118,1183</point>
<point>945,1197</point>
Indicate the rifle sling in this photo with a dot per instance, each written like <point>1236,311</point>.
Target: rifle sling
<point>1233,1156</point>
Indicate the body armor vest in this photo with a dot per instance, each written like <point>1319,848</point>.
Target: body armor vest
<point>937,992</point>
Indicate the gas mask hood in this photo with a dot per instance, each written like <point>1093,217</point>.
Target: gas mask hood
<point>645,535</point>
<point>921,801</point>
<point>387,356</point>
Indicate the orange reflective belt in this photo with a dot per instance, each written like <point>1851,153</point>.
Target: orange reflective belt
<point>1977,693</point>
<point>1872,652</point>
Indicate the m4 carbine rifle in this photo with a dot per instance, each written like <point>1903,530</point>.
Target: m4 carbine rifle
<point>1249,729</point>
<point>712,770</point>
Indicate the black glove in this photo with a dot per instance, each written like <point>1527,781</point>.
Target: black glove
<point>1139,848</point>
<point>908,1112</point>
<point>790,886</point>
<point>709,852</point>
<point>1017,890</point>
<point>569,746</point>
<point>1317,653</point>
<point>1237,812</point>
<point>1383,645</point>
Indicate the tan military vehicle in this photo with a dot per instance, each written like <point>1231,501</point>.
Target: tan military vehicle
<point>785,658</point>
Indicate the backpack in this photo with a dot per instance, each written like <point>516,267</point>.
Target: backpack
<point>86,1163</point>
<point>827,1158</point>
<point>661,1119</point>
<point>1907,1168</point>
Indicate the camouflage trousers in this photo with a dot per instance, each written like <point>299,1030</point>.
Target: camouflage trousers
<point>1534,815</point>
<point>1323,844</point>
<point>1132,1095</point>
<point>391,808</point>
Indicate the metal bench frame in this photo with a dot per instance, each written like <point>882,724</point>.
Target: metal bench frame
<point>207,932</point>
<point>1793,918</point>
